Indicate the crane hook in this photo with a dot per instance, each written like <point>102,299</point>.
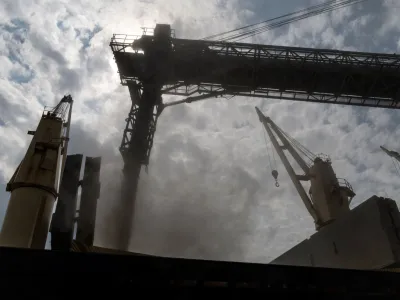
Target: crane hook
<point>275,175</point>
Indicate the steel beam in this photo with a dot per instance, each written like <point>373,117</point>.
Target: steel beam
<point>275,72</point>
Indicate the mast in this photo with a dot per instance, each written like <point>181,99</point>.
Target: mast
<point>34,185</point>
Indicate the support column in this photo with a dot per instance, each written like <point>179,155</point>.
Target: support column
<point>143,119</point>
<point>141,123</point>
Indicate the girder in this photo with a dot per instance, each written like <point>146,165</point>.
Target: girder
<point>276,72</point>
<point>152,65</point>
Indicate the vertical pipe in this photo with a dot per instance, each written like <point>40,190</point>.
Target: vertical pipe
<point>63,221</point>
<point>89,196</point>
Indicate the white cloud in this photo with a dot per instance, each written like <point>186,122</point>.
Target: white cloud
<point>392,10</point>
<point>209,192</point>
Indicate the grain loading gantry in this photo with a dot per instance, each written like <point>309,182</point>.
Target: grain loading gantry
<point>158,63</point>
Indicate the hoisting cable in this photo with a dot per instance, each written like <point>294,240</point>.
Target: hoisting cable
<point>295,16</point>
<point>304,151</point>
<point>307,153</point>
<point>396,165</point>
<point>313,11</point>
<point>273,155</point>
<point>269,20</point>
<point>296,144</point>
<point>300,147</point>
<point>273,168</point>
<point>239,37</point>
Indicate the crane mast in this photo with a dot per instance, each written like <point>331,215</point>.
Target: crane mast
<point>34,185</point>
<point>328,198</point>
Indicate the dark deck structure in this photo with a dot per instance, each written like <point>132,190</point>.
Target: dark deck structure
<point>183,277</point>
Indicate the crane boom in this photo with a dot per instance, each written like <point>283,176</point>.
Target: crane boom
<point>394,154</point>
<point>329,199</point>
<point>300,189</point>
<point>286,144</point>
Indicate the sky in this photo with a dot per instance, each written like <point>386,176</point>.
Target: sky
<point>208,192</point>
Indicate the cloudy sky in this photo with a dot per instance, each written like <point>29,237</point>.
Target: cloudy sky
<point>208,192</point>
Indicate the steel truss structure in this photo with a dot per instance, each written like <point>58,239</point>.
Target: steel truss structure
<point>131,128</point>
<point>275,72</point>
<point>152,65</point>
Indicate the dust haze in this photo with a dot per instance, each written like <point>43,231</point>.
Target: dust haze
<point>207,194</point>
<point>180,210</point>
